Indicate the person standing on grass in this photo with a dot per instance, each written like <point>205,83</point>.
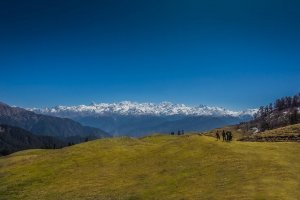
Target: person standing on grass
<point>230,136</point>
<point>223,135</point>
<point>218,135</point>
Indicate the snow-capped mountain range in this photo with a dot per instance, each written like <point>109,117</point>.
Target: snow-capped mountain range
<point>139,119</point>
<point>126,108</point>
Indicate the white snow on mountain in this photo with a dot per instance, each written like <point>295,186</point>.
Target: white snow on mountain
<point>134,108</point>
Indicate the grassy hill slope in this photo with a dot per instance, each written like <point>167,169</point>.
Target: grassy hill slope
<point>156,167</point>
<point>287,133</point>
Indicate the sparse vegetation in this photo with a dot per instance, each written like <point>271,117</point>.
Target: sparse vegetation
<point>287,133</point>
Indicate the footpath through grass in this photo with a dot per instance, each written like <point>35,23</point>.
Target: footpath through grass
<point>156,167</point>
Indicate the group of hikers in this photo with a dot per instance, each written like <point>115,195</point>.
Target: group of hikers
<point>226,136</point>
<point>178,133</point>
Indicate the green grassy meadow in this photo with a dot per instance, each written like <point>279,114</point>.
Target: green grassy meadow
<point>155,167</point>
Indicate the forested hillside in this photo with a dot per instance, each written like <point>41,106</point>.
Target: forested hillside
<point>283,112</point>
<point>14,139</point>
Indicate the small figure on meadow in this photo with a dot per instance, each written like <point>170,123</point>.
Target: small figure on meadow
<point>228,136</point>
<point>223,135</point>
<point>218,135</point>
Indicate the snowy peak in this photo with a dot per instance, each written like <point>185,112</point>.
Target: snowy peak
<point>134,108</point>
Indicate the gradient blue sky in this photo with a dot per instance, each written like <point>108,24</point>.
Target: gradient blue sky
<point>230,53</point>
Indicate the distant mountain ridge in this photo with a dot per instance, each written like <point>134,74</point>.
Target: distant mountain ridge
<point>44,125</point>
<point>139,119</point>
<point>135,109</point>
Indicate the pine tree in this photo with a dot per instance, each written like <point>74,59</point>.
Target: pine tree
<point>278,104</point>
<point>294,101</point>
<point>261,112</point>
<point>270,107</point>
<point>266,112</point>
<point>288,102</point>
<point>255,115</point>
<point>294,117</point>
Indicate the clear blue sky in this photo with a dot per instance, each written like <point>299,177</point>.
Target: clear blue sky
<point>231,53</point>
